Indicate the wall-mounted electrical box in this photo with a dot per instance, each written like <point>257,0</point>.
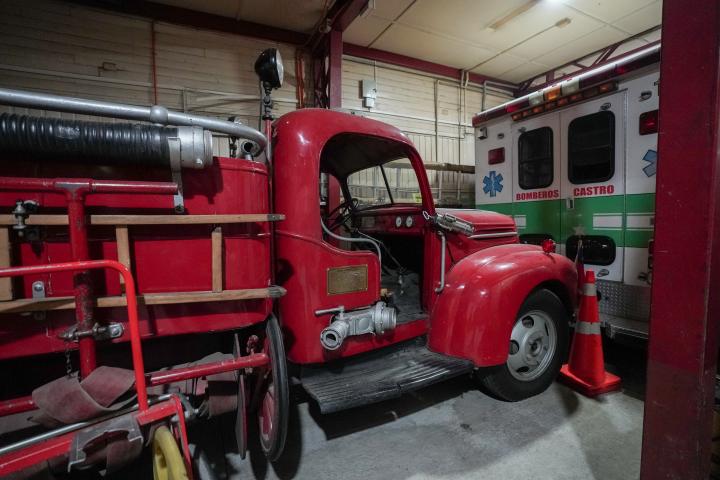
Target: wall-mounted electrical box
<point>369,92</point>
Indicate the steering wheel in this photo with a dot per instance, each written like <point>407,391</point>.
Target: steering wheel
<point>345,210</point>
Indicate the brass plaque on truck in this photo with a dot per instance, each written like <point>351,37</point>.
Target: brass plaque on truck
<point>347,279</point>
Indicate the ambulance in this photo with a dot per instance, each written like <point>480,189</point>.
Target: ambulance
<point>576,162</point>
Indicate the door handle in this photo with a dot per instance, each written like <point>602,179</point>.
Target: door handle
<point>569,203</point>
<point>443,243</point>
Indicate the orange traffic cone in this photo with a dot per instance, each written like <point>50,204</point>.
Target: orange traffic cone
<point>585,371</point>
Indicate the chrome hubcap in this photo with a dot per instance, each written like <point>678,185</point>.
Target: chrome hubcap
<point>532,346</point>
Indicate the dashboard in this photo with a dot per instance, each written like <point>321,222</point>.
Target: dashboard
<point>397,220</point>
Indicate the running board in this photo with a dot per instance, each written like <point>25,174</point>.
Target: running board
<point>379,376</point>
<point>619,326</point>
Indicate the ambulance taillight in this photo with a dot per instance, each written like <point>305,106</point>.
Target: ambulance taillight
<point>496,155</point>
<point>651,247</point>
<point>649,122</point>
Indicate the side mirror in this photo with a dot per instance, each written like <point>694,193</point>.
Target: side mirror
<point>269,67</point>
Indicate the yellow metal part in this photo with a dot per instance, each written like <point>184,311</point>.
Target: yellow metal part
<point>168,463</point>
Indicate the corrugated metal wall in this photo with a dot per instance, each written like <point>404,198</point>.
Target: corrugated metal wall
<point>72,50</point>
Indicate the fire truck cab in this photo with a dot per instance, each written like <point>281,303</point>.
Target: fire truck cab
<point>386,293</point>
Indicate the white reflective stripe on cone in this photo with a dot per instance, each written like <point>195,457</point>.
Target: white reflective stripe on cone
<point>588,328</point>
<point>589,290</point>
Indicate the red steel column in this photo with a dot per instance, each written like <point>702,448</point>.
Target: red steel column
<point>81,281</point>
<point>334,52</point>
<point>683,347</point>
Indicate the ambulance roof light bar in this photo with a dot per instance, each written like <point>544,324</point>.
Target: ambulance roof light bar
<point>592,77</point>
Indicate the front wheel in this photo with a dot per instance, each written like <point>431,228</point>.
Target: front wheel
<point>538,343</point>
<point>273,393</point>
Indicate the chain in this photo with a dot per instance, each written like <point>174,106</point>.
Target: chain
<point>68,363</point>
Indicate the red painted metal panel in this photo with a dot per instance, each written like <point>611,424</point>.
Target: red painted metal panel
<point>165,258</point>
<point>302,256</point>
<point>474,315</point>
<point>683,349</point>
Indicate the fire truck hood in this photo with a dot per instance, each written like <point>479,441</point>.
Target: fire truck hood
<point>482,220</point>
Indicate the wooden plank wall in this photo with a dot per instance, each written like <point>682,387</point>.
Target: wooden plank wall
<point>67,49</point>
<point>57,47</point>
<point>436,114</point>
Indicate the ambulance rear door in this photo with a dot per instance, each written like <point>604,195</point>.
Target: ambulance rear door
<point>593,183</point>
<point>493,169</point>
<point>536,178</point>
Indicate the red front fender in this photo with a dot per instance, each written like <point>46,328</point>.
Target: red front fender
<point>475,313</point>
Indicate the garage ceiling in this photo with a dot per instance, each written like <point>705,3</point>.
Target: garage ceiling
<point>507,39</point>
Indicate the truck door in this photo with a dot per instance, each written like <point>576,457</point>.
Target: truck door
<point>536,178</point>
<point>593,183</point>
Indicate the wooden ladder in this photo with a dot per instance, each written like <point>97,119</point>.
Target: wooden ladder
<point>121,224</point>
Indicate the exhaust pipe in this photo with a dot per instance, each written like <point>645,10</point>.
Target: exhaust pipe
<point>377,320</point>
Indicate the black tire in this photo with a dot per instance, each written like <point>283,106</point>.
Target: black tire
<point>501,383</point>
<point>274,443</point>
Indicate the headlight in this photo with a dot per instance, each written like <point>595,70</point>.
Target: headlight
<point>269,68</point>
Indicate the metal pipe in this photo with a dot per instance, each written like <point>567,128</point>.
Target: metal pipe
<point>154,114</point>
<point>493,235</point>
<point>82,284</point>
<point>441,287</point>
<point>88,185</point>
<point>352,239</point>
<point>195,371</point>
<point>130,294</point>
<point>75,426</point>
<point>16,405</point>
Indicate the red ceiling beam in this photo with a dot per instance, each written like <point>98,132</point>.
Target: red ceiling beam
<point>417,64</point>
<point>685,308</point>
<point>603,56</point>
<point>195,19</point>
<point>350,11</point>
<point>525,87</point>
<point>338,18</point>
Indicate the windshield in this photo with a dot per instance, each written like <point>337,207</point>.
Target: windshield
<point>387,184</point>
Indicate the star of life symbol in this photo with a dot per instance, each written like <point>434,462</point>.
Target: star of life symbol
<point>492,183</point>
<point>651,168</point>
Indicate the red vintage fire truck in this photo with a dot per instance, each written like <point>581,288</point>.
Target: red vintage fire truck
<point>144,282</point>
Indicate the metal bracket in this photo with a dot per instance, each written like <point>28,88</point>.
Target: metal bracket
<point>38,291</point>
<point>21,212</point>
<point>176,172</point>
<point>124,426</point>
<point>98,332</point>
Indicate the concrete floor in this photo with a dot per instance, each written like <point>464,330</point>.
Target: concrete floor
<point>453,431</point>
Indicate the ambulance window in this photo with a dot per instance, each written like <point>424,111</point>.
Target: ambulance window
<point>591,148</point>
<point>535,161</point>
<point>596,249</point>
